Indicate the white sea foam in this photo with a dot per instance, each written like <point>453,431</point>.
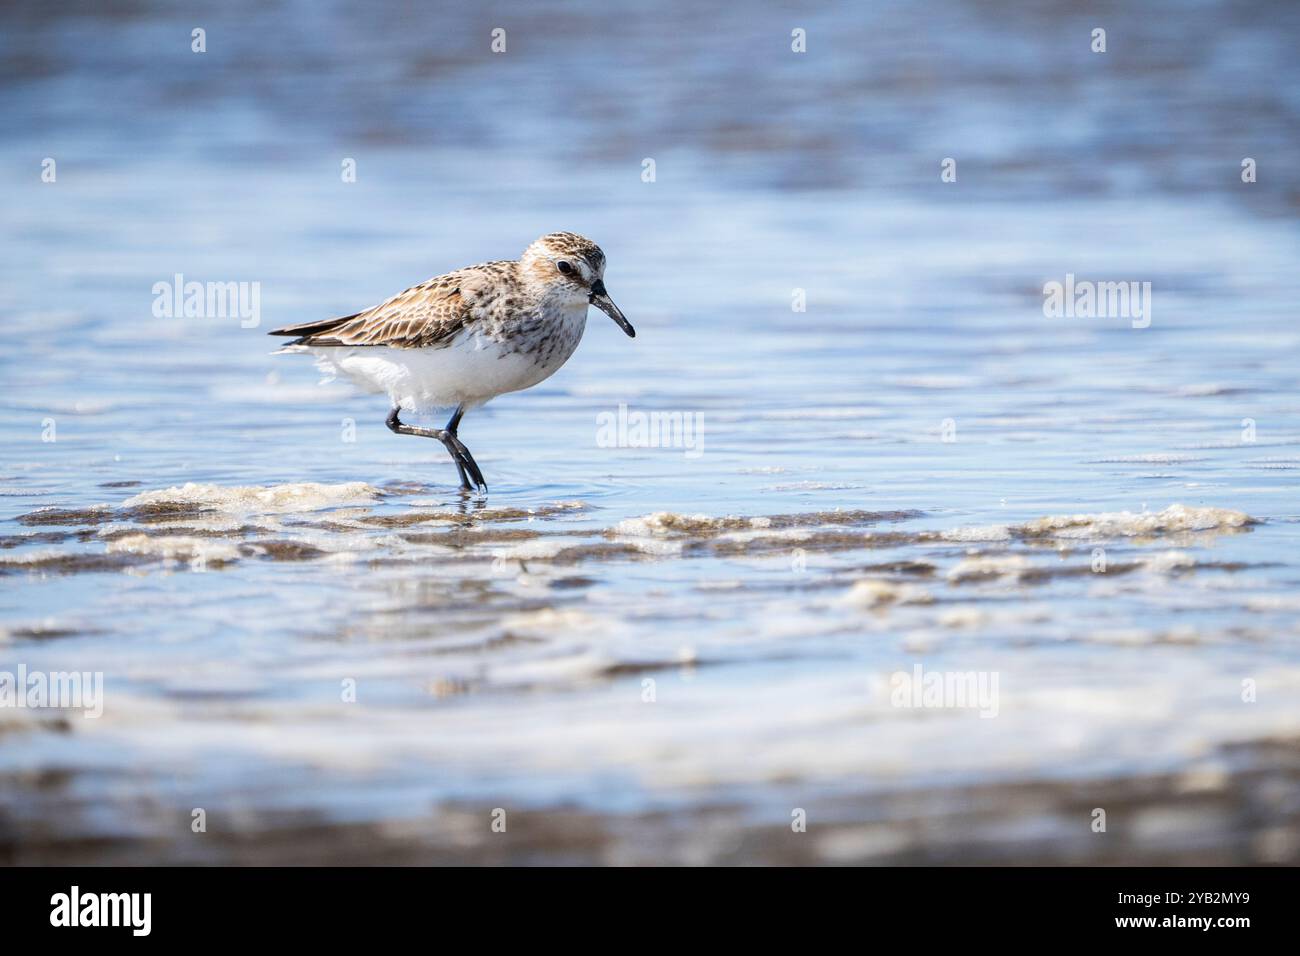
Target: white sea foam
<point>667,522</point>
<point>559,622</point>
<point>1176,518</point>
<point>1168,562</point>
<point>1010,566</point>
<point>176,547</point>
<point>34,556</point>
<point>876,592</point>
<point>537,548</point>
<point>260,499</point>
<point>988,532</point>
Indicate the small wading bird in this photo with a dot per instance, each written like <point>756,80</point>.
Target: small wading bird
<point>461,339</point>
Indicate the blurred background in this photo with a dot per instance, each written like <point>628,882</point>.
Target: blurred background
<point>639,655</point>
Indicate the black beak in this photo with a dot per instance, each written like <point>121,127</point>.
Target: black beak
<point>601,300</point>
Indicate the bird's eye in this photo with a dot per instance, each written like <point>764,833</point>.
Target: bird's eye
<point>565,268</point>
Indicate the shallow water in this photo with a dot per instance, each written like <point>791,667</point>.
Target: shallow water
<point>658,653</point>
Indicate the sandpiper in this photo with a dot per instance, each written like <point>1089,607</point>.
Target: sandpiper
<point>461,339</point>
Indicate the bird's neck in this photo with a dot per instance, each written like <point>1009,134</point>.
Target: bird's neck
<point>553,298</point>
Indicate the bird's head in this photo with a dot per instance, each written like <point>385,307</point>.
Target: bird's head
<point>573,266</point>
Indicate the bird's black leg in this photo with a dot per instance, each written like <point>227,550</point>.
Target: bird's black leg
<point>459,453</point>
<point>453,424</point>
<point>456,416</point>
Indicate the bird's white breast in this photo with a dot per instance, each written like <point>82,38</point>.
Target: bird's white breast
<point>473,369</point>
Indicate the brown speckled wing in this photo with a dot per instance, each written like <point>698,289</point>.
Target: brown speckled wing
<point>428,315</point>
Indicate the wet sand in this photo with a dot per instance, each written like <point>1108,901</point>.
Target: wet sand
<point>464,618</point>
